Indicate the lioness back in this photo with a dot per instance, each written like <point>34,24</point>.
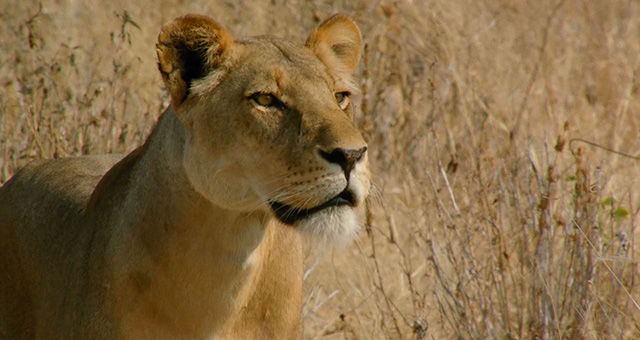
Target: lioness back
<point>40,208</point>
<point>195,234</point>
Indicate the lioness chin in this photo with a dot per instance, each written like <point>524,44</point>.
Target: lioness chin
<point>194,235</point>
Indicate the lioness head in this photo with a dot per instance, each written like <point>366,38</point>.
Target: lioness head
<point>269,122</point>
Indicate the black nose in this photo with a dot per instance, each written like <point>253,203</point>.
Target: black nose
<point>347,159</point>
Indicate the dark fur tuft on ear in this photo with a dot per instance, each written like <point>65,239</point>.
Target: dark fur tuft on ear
<point>189,48</point>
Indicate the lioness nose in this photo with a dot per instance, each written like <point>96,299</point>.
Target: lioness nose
<point>347,159</point>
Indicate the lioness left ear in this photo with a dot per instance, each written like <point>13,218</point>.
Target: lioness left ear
<point>189,48</point>
<point>337,43</point>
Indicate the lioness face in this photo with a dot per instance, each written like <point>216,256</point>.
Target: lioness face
<point>269,123</point>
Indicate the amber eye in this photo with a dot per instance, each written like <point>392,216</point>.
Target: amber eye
<point>263,99</point>
<point>268,100</point>
<point>343,99</point>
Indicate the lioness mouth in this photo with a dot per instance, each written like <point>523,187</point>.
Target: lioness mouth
<point>290,215</point>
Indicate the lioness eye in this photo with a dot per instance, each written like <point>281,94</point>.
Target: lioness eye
<point>343,99</point>
<point>267,100</point>
<point>263,99</point>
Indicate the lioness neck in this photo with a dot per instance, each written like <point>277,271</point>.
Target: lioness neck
<point>175,255</point>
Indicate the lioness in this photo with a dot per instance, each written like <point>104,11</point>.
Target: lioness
<point>194,235</point>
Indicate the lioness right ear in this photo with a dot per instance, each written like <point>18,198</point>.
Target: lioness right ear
<point>337,42</point>
<point>188,48</point>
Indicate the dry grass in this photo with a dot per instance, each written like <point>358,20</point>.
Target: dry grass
<point>494,216</point>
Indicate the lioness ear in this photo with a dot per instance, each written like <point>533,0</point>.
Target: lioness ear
<point>188,48</point>
<point>337,43</point>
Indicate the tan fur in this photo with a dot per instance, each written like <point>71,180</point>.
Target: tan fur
<point>180,239</point>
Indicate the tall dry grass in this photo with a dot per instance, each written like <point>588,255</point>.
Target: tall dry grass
<point>504,139</point>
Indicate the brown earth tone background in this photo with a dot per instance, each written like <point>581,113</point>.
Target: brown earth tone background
<point>505,138</point>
